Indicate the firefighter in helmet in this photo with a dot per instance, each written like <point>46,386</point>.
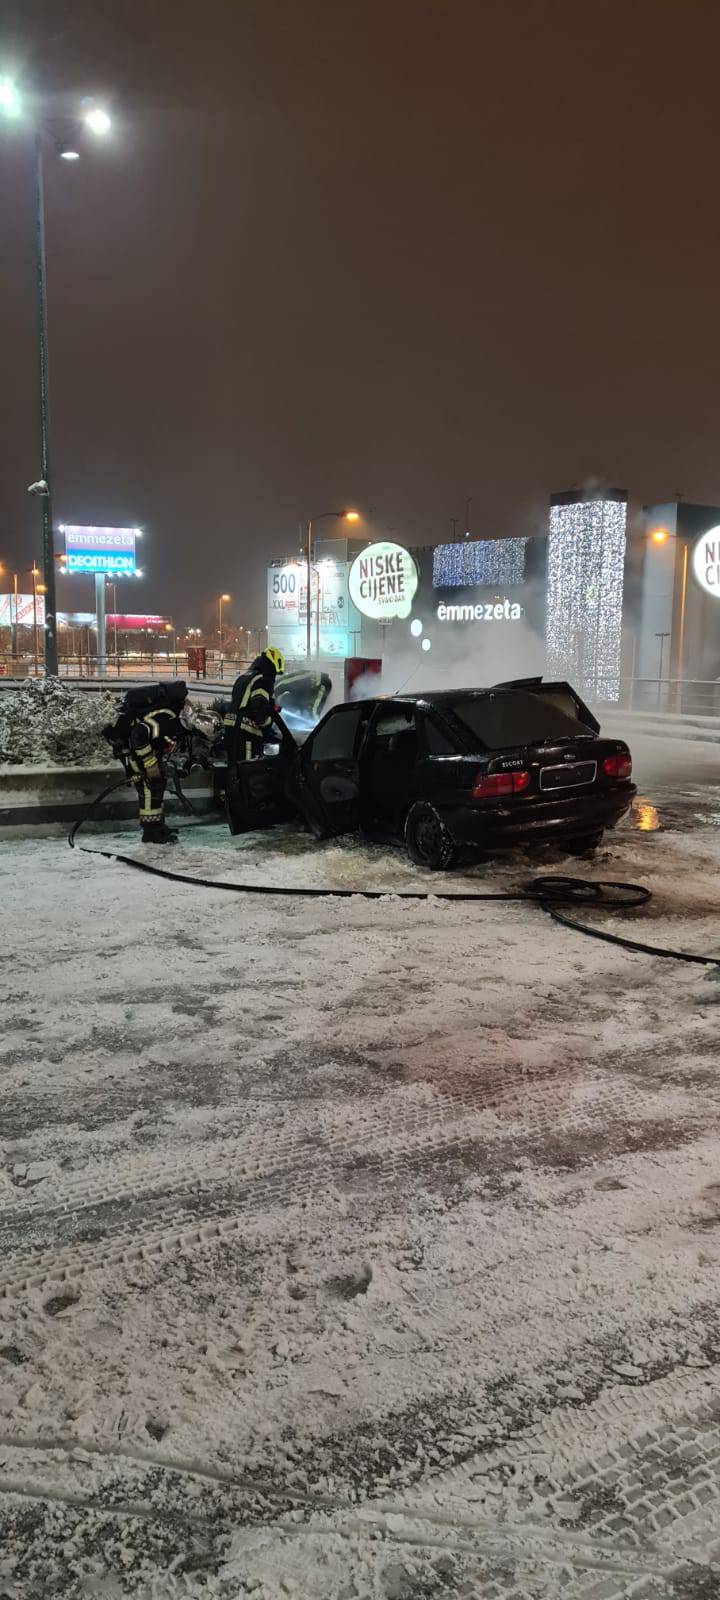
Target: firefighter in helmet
<point>149,724</point>
<point>252,706</point>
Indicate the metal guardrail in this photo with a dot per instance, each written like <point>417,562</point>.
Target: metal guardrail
<point>694,697</point>
<point>673,696</point>
<point>219,669</point>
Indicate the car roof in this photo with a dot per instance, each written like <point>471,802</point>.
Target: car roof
<point>434,696</point>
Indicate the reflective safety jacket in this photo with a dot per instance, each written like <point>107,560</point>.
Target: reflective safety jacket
<point>252,703</point>
<point>148,724</point>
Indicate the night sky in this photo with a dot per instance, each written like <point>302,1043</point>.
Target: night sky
<point>386,255</point>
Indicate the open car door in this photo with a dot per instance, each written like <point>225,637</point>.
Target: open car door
<point>255,794</point>
<point>324,783</point>
<point>561,695</point>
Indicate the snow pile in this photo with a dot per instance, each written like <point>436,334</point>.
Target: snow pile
<point>47,721</point>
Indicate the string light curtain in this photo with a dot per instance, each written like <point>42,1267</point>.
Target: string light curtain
<point>476,561</point>
<point>585,573</point>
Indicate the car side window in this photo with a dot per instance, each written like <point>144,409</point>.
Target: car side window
<point>335,740</point>
<point>394,720</point>
<point>438,742</point>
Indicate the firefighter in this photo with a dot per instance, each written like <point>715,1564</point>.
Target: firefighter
<point>150,722</point>
<point>252,707</point>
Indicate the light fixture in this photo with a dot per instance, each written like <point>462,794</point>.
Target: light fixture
<point>352,516</point>
<point>491,561</point>
<point>660,535</point>
<point>98,121</point>
<point>426,644</point>
<point>138,572</point>
<point>69,154</point>
<point>416,627</point>
<point>585,579</point>
<point>9,98</point>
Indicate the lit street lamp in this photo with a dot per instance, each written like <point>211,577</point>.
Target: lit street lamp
<point>66,136</point>
<point>227,598</point>
<point>347,516</point>
<point>170,628</point>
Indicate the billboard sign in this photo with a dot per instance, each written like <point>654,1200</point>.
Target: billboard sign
<point>383,581</point>
<point>97,550</point>
<point>134,623</point>
<point>333,621</point>
<point>706,561</point>
<point>25,612</point>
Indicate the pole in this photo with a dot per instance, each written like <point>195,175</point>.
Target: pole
<point>308,558</point>
<point>113,586</point>
<point>48,555</point>
<point>35,632</point>
<point>222,664</point>
<point>100,616</point>
<point>317,614</point>
<point>681,639</point>
<point>662,637</point>
<point>15,620</point>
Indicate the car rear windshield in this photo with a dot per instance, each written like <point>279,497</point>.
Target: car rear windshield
<point>500,720</point>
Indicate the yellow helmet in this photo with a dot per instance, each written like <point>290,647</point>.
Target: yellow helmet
<point>277,658</point>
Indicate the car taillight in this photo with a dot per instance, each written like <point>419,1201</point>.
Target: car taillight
<point>619,766</point>
<point>495,784</point>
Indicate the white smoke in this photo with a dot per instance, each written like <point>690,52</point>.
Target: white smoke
<point>472,655</point>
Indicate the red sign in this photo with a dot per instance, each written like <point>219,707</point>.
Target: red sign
<point>196,659</point>
<point>136,624</point>
<point>360,667</point>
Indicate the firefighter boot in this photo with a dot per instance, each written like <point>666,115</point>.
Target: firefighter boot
<point>157,832</point>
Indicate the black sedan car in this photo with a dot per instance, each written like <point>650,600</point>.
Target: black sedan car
<point>448,772</point>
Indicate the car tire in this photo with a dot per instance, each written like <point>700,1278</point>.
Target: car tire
<point>428,841</point>
<point>585,843</point>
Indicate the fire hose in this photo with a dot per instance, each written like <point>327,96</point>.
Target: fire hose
<point>549,891</point>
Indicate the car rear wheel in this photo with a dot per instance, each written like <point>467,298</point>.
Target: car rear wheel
<point>585,843</point>
<point>427,840</point>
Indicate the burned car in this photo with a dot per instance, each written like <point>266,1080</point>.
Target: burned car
<point>448,772</point>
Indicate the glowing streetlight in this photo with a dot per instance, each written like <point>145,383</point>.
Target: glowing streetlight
<point>98,121</point>
<point>226,598</point>
<point>10,102</point>
<point>66,135</point>
<point>342,516</point>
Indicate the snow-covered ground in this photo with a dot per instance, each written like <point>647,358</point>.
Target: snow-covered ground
<point>353,1248</point>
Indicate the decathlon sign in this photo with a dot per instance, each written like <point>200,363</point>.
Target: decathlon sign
<point>91,549</point>
<point>706,561</point>
<point>487,611</point>
<point>383,581</point>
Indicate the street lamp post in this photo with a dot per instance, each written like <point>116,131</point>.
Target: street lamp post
<point>35,575</point>
<point>48,562</point>
<point>348,516</point>
<point>66,146</point>
<point>226,598</point>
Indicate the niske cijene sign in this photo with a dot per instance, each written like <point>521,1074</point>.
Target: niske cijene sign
<point>706,561</point>
<point>383,581</point>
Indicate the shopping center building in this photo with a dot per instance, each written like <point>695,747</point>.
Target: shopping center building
<point>630,616</point>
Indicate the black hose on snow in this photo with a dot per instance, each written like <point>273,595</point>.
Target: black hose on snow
<point>548,890</point>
